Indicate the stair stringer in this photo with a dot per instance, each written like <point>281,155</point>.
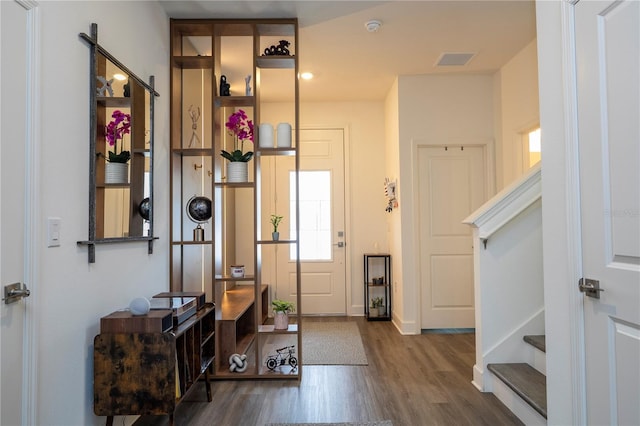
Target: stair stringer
<point>511,348</point>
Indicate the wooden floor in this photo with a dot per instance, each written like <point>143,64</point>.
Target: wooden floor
<point>410,380</point>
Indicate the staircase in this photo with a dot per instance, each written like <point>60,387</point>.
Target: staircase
<point>509,299</point>
<point>526,382</point>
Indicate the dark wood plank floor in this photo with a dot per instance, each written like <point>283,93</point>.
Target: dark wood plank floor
<point>410,380</point>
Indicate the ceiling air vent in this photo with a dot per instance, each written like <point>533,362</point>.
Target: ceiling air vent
<point>454,59</point>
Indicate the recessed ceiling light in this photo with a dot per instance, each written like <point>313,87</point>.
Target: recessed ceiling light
<point>306,75</point>
<point>120,77</point>
<point>373,25</point>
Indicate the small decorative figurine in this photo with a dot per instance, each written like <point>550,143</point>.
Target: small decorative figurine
<point>238,363</point>
<point>279,50</point>
<point>126,89</point>
<point>106,87</point>
<point>195,116</point>
<point>247,81</point>
<point>284,356</point>
<point>225,88</point>
<point>390,193</point>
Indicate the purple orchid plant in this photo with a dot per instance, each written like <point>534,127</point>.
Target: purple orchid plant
<point>116,129</point>
<point>241,128</point>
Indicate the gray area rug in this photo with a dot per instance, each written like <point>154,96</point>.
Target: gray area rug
<point>332,343</point>
<point>381,423</point>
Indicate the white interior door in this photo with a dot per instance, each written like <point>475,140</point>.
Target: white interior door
<point>451,185</point>
<point>322,237</point>
<point>608,73</point>
<point>13,142</point>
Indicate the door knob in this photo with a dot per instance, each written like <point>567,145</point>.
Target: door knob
<point>590,287</point>
<point>340,244</point>
<point>14,292</point>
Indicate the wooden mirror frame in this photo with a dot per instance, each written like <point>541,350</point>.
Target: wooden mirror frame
<point>96,200</point>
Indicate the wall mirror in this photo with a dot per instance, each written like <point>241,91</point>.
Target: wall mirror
<point>121,152</point>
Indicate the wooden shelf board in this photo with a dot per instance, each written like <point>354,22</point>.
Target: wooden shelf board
<point>114,101</point>
<point>193,152</point>
<point>234,101</point>
<point>206,362</point>
<point>192,27</point>
<point>276,62</point>
<point>235,185</point>
<point>266,242</point>
<point>269,328</point>
<point>281,29</point>
<point>242,344</point>
<point>283,371</point>
<point>276,151</point>
<point>193,62</point>
<point>191,243</point>
<point>113,185</point>
<point>234,279</point>
<point>188,323</point>
<point>235,302</point>
<point>205,339</point>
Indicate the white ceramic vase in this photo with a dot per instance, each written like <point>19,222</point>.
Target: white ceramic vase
<point>237,171</point>
<point>116,173</point>
<point>265,136</point>
<point>280,321</point>
<point>284,135</point>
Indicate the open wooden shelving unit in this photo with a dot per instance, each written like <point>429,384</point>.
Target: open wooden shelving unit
<point>202,50</point>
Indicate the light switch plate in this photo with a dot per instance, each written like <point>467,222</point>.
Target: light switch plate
<point>53,231</point>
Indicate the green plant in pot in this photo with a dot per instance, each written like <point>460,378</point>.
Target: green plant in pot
<point>116,129</point>
<point>376,303</point>
<point>275,221</point>
<point>241,128</point>
<point>117,167</point>
<point>281,311</point>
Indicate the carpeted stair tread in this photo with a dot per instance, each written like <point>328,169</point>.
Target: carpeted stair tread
<point>526,381</point>
<point>537,341</point>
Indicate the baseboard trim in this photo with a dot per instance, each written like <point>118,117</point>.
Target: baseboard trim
<point>478,380</point>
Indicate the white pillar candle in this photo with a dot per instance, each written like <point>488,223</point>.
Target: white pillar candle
<point>284,135</point>
<point>265,136</point>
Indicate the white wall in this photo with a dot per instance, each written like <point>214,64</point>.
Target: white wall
<point>392,155</point>
<point>518,93</point>
<point>433,110</point>
<point>71,294</point>
<point>563,307</point>
<point>510,298</point>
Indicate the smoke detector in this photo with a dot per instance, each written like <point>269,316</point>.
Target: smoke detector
<point>373,25</point>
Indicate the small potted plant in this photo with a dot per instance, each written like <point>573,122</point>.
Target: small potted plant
<point>117,167</point>
<point>241,128</point>
<point>281,311</point>
<point>374,310</point>
<point>275,221</point>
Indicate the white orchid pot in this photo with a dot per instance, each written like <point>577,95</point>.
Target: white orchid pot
<point>116,173</point>
<point>281,321</point>
<point>237,171</point>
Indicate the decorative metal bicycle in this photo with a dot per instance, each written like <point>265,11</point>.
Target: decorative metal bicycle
<point>284,357</point>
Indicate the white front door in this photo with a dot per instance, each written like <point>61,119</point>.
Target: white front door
<point>14,97</point>
<point>608,74</point>
<point>451,185</point>
<point>322,222</point>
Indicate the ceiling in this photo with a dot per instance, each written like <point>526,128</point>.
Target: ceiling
<point>350,63</point>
